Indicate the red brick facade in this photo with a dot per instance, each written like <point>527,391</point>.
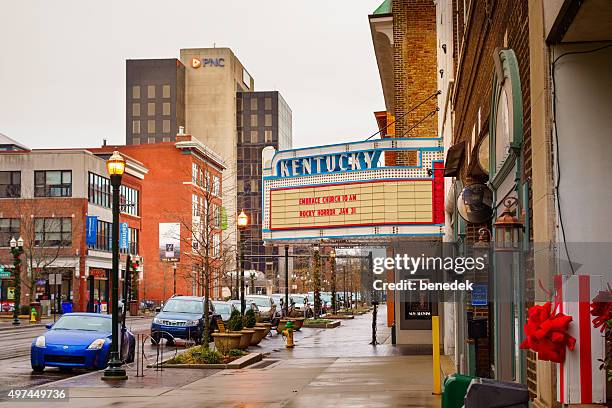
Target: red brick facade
<point>167,198</point>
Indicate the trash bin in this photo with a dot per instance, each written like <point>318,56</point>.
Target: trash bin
<point>485,393</point>
<point>455,387</point>
<point>66,307</point>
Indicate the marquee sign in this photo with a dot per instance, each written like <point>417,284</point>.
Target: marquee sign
<point>346,191</point>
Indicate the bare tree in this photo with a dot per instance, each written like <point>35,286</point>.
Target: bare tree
<point>47,231</point>
<point>209,253</point>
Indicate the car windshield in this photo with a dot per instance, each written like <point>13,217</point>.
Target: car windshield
<point>80,322</point>
<point>261,302</point>
<point>184,306</point>
<point>223,308</point>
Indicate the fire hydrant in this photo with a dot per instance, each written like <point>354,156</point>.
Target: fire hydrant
<point>33,315</point>
<point>288,333</point>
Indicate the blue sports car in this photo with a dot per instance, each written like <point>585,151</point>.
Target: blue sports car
<point>79,340</point>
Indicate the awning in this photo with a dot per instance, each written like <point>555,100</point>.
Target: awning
<point>454,157</point>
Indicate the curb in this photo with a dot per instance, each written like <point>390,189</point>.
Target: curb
<point>242,362</point>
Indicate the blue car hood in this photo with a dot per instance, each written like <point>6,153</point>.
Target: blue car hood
<point>178,316</point>
<point>73,337</point>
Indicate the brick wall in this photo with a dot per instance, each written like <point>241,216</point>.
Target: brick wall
<point>414,58</point>
<point>486,26</point>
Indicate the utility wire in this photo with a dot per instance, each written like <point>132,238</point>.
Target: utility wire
<point>405,113</point>
<point>430,114</point>
<point>554,112</point>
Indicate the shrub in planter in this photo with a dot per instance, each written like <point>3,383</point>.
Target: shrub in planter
<point>235,322</point>
<point>249,319</point>
<point>236,353</point>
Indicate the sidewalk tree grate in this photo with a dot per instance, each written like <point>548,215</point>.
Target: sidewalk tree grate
<point>263,364</point>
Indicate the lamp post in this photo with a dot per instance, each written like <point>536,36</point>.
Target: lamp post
<point>332,261</point>
<point>115,166</point>
<point>243,222</point>
<point>17,250</point>
<point>316,277</point>
<point>174,270</point>
<point>508,288</point>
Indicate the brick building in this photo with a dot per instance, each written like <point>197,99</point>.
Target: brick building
<point>183,186</point>
<point>404,38</point>
<point>46,197</point>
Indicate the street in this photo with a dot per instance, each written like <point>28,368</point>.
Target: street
<point>328,367</point>
<point>15,355</point>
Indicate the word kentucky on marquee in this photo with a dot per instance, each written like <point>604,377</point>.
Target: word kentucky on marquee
<point>304,166</point>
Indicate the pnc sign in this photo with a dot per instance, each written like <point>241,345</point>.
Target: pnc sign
<point>207,62</point>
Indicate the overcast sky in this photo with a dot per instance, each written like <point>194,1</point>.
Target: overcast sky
<point>62,62</point>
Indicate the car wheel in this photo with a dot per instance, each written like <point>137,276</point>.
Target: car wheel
<point>38,368</point>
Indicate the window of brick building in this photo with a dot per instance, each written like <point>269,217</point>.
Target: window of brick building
<point>53,183</point>
<point>9,228</point>
<point>53,232</point>
<point>136,92</point>
<point>10,184</point>
<point>165,91</point>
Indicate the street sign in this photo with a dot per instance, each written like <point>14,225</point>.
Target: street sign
<point>124,238</point>
<point>4,273</point>
<point>480,295</point>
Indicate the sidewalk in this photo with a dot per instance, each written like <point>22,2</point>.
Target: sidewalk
<point>328,368</point>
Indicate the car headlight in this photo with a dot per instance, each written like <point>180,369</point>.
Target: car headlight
<point>40,341</point>
<point>193,322</point>
<point>156,320</point>
<point>96,344</point>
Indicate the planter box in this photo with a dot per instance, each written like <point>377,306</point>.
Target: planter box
<point>330,325</point>
<point>227,341</point>
<point>260,333</point>
<point>242,362</point>
<point>340,317</point>
<point>245,341</point>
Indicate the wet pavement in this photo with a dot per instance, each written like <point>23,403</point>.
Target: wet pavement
<point>328,367</point>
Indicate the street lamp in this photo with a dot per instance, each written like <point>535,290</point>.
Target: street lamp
<point>17,250</point>
<point>317,281</point>
<point>115,166</point>
<point>332,261</point>
<point>508,228</point>
<point>243,222</point>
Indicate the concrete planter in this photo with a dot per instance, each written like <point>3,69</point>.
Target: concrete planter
<point>225,342</point>
<point>245,340</point>
<point>236,364</point>
<point>298,322</point>
<point>281,325</point>
<point>330,325</point>
<point>260,333</point>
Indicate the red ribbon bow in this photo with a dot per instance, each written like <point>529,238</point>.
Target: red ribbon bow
<point>546,333</point>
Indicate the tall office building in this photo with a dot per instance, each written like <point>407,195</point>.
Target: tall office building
<point>155,100</point>
<point>263,119</point>
<point>206,91</point>
<point>212,78</point>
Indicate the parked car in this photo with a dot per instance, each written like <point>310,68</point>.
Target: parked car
<point>224,309</point>
<point>266,305</point>
<point>79,340</point>
<point>183,318</point>
<point>253,306</point>
<point>297,305</point>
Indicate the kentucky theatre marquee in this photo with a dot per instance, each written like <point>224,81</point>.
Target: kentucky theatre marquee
<point>346,191</point>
